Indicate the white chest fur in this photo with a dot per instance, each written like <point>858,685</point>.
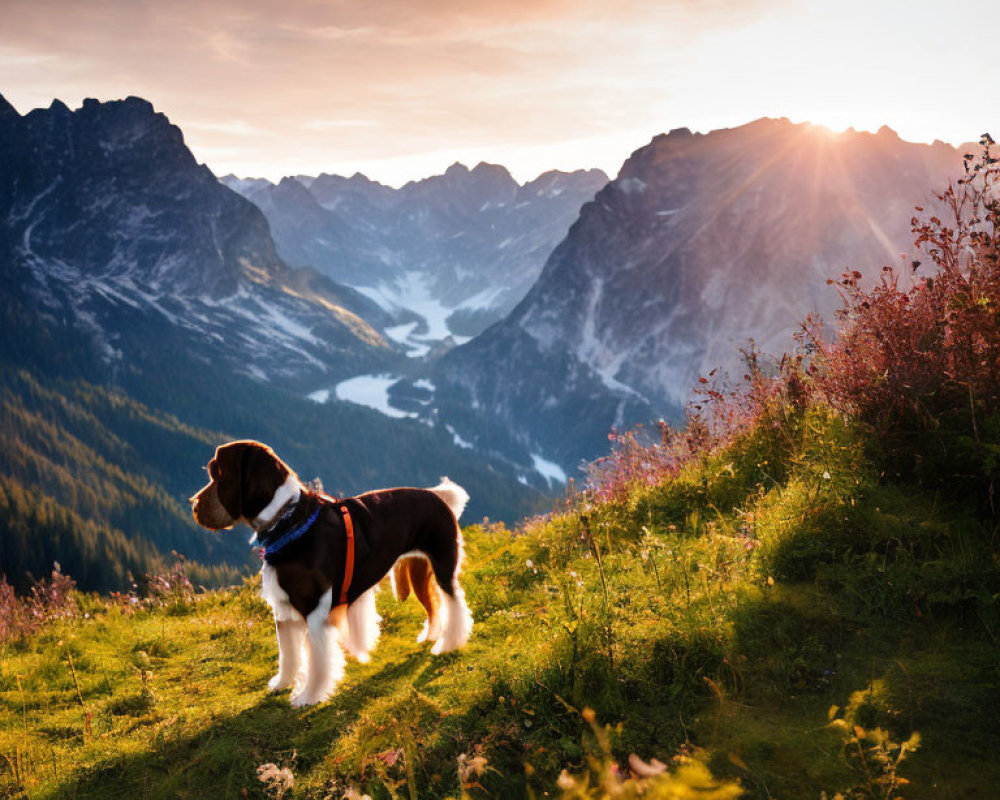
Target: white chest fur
<point>276,597</point>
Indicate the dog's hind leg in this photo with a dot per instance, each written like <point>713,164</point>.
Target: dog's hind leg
<point>291,637</point>
<point>457,620</point>
<point>362,626</point>
<point>446,560</point>
<point>425,588</point>
<point>326,658</point>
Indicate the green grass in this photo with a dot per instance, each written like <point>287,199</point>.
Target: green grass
<point>717,616</point>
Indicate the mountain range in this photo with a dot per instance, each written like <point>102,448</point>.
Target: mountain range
<point>702,244</point>
<point>446,256</point>
<point>145,317</point>
<point>464,324</point>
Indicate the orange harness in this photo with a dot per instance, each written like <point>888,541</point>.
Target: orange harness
<point>349,560</point>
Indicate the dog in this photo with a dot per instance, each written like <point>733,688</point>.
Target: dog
<point>323,560</point>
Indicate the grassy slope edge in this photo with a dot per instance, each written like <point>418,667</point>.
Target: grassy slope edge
<point>805,601</point>
<point>727,609</point>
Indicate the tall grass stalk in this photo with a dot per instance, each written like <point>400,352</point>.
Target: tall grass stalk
<point>608,632</point>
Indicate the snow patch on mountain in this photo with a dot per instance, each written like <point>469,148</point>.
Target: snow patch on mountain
<point>458,439</point>
<point>549,470</point>
<point>371,391</point>
<point>600,356</point>
<point>411,293</point>
<point>486,299</point>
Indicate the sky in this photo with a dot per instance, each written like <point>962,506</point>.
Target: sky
<point>400,89</point>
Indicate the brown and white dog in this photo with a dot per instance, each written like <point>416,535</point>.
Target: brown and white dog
<point>306,577</point>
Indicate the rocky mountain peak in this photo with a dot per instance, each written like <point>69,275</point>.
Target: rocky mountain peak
<point>494,173</point>
<point>6,109</point>
<point>98,186</point>
<point>463,189</point>
<point>332,190</point>
<point>116,237</point>
<point>555,182</point>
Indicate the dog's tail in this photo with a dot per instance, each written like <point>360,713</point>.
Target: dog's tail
<point>453,495</point>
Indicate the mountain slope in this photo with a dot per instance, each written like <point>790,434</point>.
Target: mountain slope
<point>145,318</point>
<point>114,234</point>
<point>702,243</point>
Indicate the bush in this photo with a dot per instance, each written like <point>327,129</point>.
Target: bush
<point>51,599</point>
<point>916,362</point>
<point>921,364</point>
<point>766,401</point>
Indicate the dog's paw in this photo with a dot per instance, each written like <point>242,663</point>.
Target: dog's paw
<point>310,695</point>
<point>306,698</point>
<point>453,639</point>
<point>442,645</point>
<point>278,682</point>
<point>362,657</point>
<point>429,633</point>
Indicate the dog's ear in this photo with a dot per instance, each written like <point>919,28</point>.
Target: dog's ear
<point>262,473</point>
<point>226,470</point>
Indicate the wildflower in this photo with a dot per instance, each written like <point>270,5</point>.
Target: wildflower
<point>565,781</point>
<point>643,770</point>
<point>470,767</point>
<point>277,780</point>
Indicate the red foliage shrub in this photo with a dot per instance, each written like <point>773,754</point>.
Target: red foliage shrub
<point>174,585</point>
<point>907,357</point>
<point>51,599</point>
<point>636,459</point>
<point>156,590</point>
<point>921,364</point>
<point>712,420</point>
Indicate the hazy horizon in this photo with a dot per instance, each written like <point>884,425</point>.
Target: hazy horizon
<point>398,91</point>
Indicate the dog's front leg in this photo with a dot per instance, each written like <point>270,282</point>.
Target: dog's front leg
<point>291,637</point>
<point>326,659</point>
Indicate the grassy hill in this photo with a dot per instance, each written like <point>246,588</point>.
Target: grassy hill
<point>723,614</point>
<point>796,596</point>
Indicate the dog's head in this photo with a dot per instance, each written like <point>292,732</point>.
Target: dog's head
<point>244,480</point>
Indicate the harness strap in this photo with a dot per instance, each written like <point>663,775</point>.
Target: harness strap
<point>349,561</point>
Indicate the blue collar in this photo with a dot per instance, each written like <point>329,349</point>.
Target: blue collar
<point>285,540</point>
